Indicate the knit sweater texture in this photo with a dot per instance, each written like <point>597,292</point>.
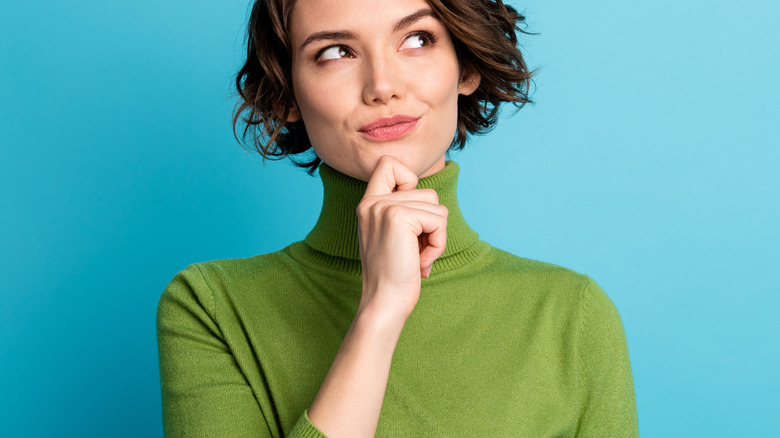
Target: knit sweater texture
<point>497,345</point>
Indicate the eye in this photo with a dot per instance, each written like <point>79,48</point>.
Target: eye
<point>334,52</point>
<point>418,40</point>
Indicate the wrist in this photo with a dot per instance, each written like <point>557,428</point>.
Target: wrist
<point>378,323</point>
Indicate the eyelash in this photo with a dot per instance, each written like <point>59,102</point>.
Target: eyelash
<point>420,33</point>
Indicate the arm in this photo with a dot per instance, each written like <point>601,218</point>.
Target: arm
<point>203,389</point>
<point>610,407</point>
<point>402,232</point>
<point>204,392</point>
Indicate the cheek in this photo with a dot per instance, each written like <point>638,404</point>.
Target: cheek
<point>323,103</point>
<point>441,92</point>
<point>323,112</point>
<point>312,102</point>
<point>440,84</point>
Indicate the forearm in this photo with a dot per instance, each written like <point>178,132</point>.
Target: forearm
<point>402,232</point>
<point>350,398</point>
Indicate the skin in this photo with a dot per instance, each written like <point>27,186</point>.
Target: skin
<point>377,72</point>
<point>373,69</point>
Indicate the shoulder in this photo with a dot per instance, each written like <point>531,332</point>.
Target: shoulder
<point>532,274</point>
<point>237,270</point>
<point>521,265</point>
<point>547,282</point>
<point>559,292</point>
<point>203,284</point>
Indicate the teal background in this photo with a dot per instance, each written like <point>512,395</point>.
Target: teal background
<point>650,162</point>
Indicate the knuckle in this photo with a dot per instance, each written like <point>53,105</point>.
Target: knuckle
<point>431,195</point>
<point>364,203</point>
<point>385,160</point>
<point>394,212</point>
<point>365,208</point>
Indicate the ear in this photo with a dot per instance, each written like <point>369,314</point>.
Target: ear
<point>469,83</point>
<point>295,114</point>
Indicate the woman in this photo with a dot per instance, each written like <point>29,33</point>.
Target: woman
<point>391,318</point>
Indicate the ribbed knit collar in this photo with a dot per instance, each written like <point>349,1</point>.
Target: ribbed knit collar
<point>336,231</point>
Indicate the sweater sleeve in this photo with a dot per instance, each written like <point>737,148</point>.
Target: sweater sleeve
<point>204,392</point>
<point>609,405</point>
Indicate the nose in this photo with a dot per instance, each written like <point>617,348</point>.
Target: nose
<point>382,81</point>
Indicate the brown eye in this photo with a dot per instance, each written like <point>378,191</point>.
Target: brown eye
<point>334,52</point>
<point>417,41</point>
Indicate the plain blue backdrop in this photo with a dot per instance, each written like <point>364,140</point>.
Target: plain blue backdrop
<point>650,162</point>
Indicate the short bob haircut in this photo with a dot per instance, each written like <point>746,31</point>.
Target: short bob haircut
<point>485,39</point>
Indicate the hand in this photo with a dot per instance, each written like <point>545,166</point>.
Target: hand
<point>402,231</point>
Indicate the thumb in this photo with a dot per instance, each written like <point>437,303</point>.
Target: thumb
<point>389,175</point>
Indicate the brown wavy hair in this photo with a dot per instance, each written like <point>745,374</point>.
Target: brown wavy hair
<point>484,33</point>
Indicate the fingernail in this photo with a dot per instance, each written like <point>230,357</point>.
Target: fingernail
<point>427,272</point>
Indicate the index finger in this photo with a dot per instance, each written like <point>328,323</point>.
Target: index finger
<point>390,173</point>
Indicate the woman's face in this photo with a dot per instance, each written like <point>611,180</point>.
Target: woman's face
<point>374,78</point>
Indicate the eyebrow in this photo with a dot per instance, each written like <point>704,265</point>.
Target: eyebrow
<point>319,36</point>
<point>413,18</point>
<point>347,35</point>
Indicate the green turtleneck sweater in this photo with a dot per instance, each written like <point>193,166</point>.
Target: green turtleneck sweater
<point>497,345</point>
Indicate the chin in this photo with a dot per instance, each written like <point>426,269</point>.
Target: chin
<point>364,160</point>
<point>428,168</point>
<point>420,167</point>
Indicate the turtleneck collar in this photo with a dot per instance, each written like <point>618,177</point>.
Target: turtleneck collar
<point>336,231</point>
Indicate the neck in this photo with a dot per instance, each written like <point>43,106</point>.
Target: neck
<point>336,232</point>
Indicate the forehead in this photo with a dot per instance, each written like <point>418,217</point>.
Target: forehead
<point>310,16</point>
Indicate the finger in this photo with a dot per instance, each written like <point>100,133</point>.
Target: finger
<point>425,195</point>
<point>436,238</point>
<point>389,175</point>
<point>430,254</point>
<point>408,209</point>
<point>379,202</point>
<point>422,242</point>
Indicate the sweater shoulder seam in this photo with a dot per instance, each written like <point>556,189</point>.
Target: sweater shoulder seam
<point>212,303</point>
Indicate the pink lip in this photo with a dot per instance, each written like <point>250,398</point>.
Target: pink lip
<point>389,128</point>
